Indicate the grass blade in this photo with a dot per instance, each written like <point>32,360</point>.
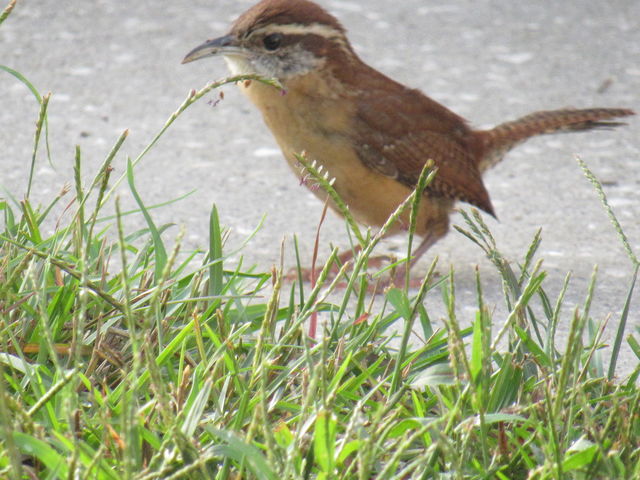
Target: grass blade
<point>158,246</point>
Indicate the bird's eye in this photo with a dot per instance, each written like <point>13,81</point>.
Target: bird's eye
<point>272,42</point>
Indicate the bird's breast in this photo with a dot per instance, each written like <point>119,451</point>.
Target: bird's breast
<point>311,120</point>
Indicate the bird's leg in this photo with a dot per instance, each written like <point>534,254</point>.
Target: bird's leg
<point>398,278</point>
<point>342,258</point>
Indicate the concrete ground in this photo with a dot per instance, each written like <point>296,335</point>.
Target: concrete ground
<point>116,65</point>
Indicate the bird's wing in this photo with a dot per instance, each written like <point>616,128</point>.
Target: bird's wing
<point>398,146</point>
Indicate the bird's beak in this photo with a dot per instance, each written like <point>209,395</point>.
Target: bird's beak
<point>227,45</point>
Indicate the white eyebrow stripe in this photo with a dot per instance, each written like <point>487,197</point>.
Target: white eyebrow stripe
<point>320,29</point>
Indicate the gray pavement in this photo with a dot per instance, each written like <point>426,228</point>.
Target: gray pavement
<point>113,65</point>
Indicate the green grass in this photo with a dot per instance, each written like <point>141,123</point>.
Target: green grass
<point>123,357</point>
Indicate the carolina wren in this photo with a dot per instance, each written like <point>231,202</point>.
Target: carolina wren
<point>372,134</point>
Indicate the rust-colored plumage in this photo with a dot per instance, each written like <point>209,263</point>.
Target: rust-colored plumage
<point>284,12</point>
<point>371,133</point>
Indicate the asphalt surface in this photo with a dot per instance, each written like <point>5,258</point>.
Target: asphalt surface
<point>116,65</point>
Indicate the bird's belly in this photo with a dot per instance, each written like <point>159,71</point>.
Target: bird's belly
<point>370,196</point>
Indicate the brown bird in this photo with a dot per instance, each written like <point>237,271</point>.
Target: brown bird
<point>372,134</point>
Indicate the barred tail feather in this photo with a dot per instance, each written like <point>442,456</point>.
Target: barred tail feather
<point>495,143</point>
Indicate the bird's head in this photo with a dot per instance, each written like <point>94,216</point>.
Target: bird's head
<point>279,39</point>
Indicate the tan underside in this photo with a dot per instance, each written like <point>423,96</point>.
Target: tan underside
<point>312,127</point>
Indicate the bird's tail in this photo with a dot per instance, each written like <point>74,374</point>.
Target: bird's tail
<point>495,143</point>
